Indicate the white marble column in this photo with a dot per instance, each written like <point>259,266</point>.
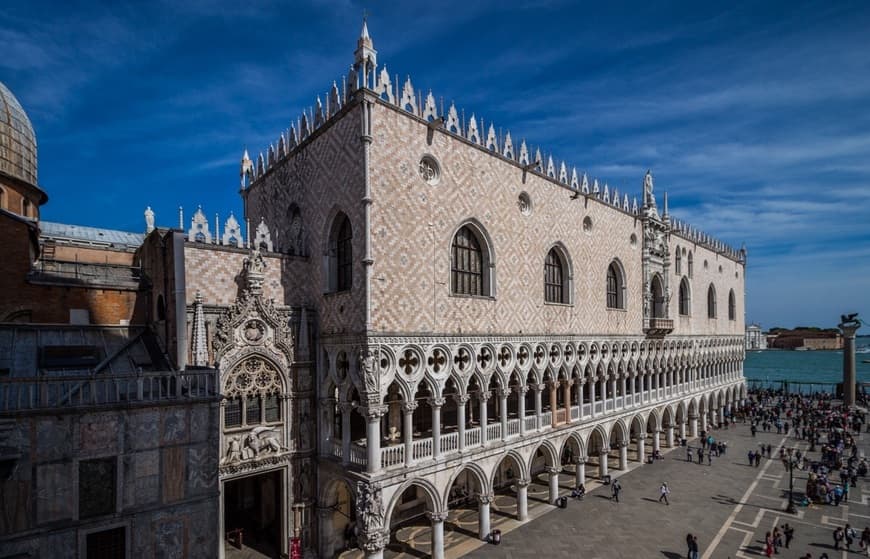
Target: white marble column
<point>553,386</point>
<point>436,404</point>
<point>483,515</point>
<point>373,437</point>
<point>554,484</point>
<point>623,455</point>
<point>408,430</point>
<point>566,397</point>
<point>592,397</point>
<point>693,426</point>
<point>346,410</point>
<point>461,400</point>
<point>641,449</point>
<point>522,500</point>
<point>581,386</point>
<point>683,430</point>
<point>538,389</point>
<point>602,463</point>
<point>521,400</point>
<point>484,419</point>
<point>622,386</point>
<point>655,441</point>
<point>580,471</point>
<point>503,412</point>
<point>438,519</point>
<point>603,392</point>
<point>669,436</point>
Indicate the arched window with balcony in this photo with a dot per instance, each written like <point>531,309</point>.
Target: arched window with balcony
<point>615,286</point>
<point>711,302</point>
<point>557,277</point>
<point>685,297</point>
<point>657,293</point>
<point>470,263</point>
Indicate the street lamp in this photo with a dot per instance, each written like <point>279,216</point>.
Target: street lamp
<point>792,461</point>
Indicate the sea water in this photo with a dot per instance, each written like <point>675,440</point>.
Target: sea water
<point>806,366</point>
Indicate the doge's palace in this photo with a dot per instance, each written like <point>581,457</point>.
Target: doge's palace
<point>490,321</point>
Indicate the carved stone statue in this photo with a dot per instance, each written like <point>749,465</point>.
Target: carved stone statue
<point>394,434</point>
<point>648,187</point>
<point>369,508</point>
<point>255,271</point>
<point>369,371</point>
<point>261,439</point>
<point>149,219</point>
<point>234,450</point>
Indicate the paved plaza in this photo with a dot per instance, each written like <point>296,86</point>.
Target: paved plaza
<point>728,505</point>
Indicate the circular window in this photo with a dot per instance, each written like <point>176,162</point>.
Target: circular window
<point>587,224</point>
<point>430,171</point>
<point>633,240</point>
<point>524,203</point>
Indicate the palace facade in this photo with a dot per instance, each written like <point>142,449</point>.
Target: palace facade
<point>416,313</point>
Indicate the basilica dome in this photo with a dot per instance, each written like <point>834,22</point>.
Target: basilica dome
<point>17,139</point>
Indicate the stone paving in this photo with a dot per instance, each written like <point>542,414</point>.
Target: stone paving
<point>728,505</point>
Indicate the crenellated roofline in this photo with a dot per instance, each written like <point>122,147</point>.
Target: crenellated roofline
<point>364,79</point>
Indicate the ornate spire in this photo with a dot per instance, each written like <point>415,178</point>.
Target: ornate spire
<point>246,169</point>
<point>200,348</point>
<point>365,56</point>
<point>665,215</point>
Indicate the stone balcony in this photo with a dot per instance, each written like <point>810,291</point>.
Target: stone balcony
<point>657,327</point>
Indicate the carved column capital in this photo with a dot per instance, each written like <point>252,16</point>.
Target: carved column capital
<point>604,451</point>
<point>486,499</point>
<point>503,394</point>
<point>437,516</point>
<point>484,396</point>
<point>553,471</point>
<point>461,399</point>
<point>581,459</point>
<point>523,482</point>
<point>521,390</point>
<point>436,402</point>
<point>375,412</point>
<point>409,407</point>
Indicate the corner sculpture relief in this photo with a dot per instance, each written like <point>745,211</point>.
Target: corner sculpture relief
<point>370,373</point>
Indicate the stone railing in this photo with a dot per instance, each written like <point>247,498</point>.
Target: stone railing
<point>77,273</point>
<point>422,449</point>
<point>658,326</point>
<point>67,392</point>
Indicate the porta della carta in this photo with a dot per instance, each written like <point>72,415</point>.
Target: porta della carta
<point>415,314</point>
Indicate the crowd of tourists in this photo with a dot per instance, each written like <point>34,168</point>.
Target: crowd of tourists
<point>828,428</point>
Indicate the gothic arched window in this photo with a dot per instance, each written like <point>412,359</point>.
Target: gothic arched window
<point>469,263</point>
<point>689,264</point>
<point>711,302</point>
<point>556,277</point>
<point>615,286</point>
<point>657,291</point>
<point>685,298</point>
<point>732,306</point>
<point>339,268</point>
<point>678,262</point>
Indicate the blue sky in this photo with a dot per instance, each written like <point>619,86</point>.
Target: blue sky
<point>754,116</point>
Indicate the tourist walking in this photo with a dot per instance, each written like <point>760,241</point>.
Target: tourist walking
<point>692,545</point>
<point>615,488</point>
<point>664,492</point>
<point>688,454</point>
<point>768,544</point>
<point>788,532</point>
<point>849,536</point>
<point>838,537</point>
<point>710,457</point>
<point>751,456</point>
<point>700,455</point>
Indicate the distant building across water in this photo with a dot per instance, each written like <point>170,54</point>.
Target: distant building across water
<point>755,338</point>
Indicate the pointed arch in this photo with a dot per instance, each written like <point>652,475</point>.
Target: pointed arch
<point>711,301</point>
<point>732,306</point>
<point>558,276</point>
<point>685,297</point>
<point>615,285</point>
<point>657,293</point>
<point>338,256</point>
<point>472,261</point>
